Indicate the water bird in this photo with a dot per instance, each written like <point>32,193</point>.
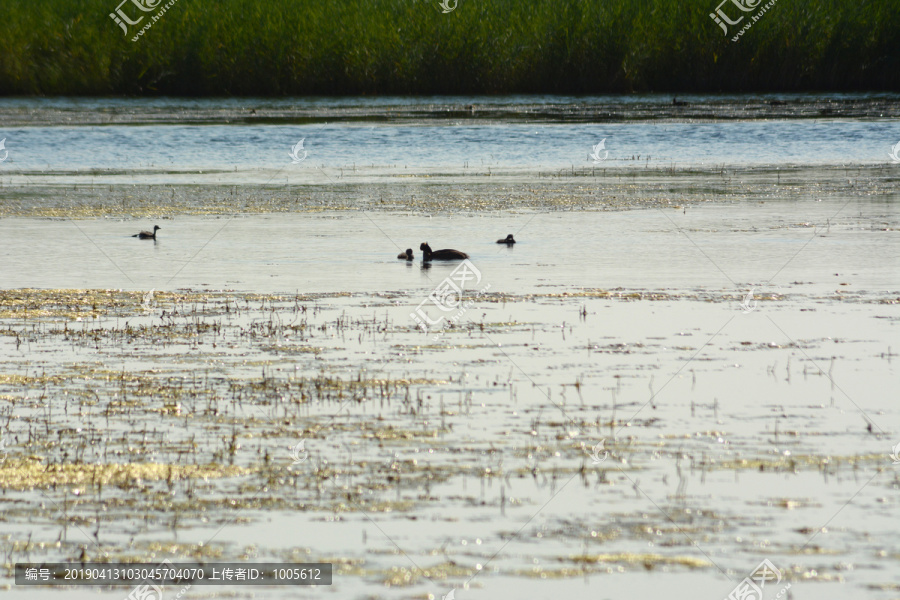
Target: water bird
<point>146,235</point>
<point>445,254</point>
<point>509,240</point>
<point>677,102</point>
<point>408,255</point>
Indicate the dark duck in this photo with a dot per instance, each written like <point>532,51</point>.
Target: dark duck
<point>445,254</point>
<point>146,235</point>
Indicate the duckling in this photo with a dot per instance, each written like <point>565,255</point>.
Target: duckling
<point>408,255</point>
<point>429,254</point>
<point>509,240</point>
<point>146,235</point>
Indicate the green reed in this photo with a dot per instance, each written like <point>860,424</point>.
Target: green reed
<point>336,47</point>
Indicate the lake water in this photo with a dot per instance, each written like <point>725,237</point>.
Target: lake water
<point>686,365</point>
<point>218,141</point>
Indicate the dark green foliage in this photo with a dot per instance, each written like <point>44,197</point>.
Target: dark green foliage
<point>299,47</point>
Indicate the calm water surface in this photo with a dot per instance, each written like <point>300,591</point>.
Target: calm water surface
<point>364,140</point>
<point>725,246</point>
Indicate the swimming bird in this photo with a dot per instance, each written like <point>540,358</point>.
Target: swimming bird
<point>146,235</point>
<point>677,102</point>
<point>429,254</point>
<point>408,255</point>
<point>509,240</point>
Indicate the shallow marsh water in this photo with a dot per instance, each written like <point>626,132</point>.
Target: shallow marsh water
<point>461,460</point>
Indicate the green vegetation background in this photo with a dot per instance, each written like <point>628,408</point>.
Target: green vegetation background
<point>300,47</point>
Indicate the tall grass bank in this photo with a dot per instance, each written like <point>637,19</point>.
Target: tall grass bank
<point>263,47</point>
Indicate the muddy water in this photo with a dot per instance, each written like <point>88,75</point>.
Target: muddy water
<point>670,378</point>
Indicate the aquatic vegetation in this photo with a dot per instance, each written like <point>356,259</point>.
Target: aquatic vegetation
<point>30,474</point>
<point>796,462</point>
<point>75,305</point>
<point>243,47</point>
<point>584,189</point>
<point>648,561</point>
<point>406,576</point>
<point>218,409</point>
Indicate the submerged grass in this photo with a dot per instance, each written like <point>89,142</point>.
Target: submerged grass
<point>114,446</point>
<point>34,474</point>
<point>252,47</point>
<point>581,189</point>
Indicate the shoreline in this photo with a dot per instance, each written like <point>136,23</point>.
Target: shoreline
<point>94,195</point>
<point>84,111</point>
